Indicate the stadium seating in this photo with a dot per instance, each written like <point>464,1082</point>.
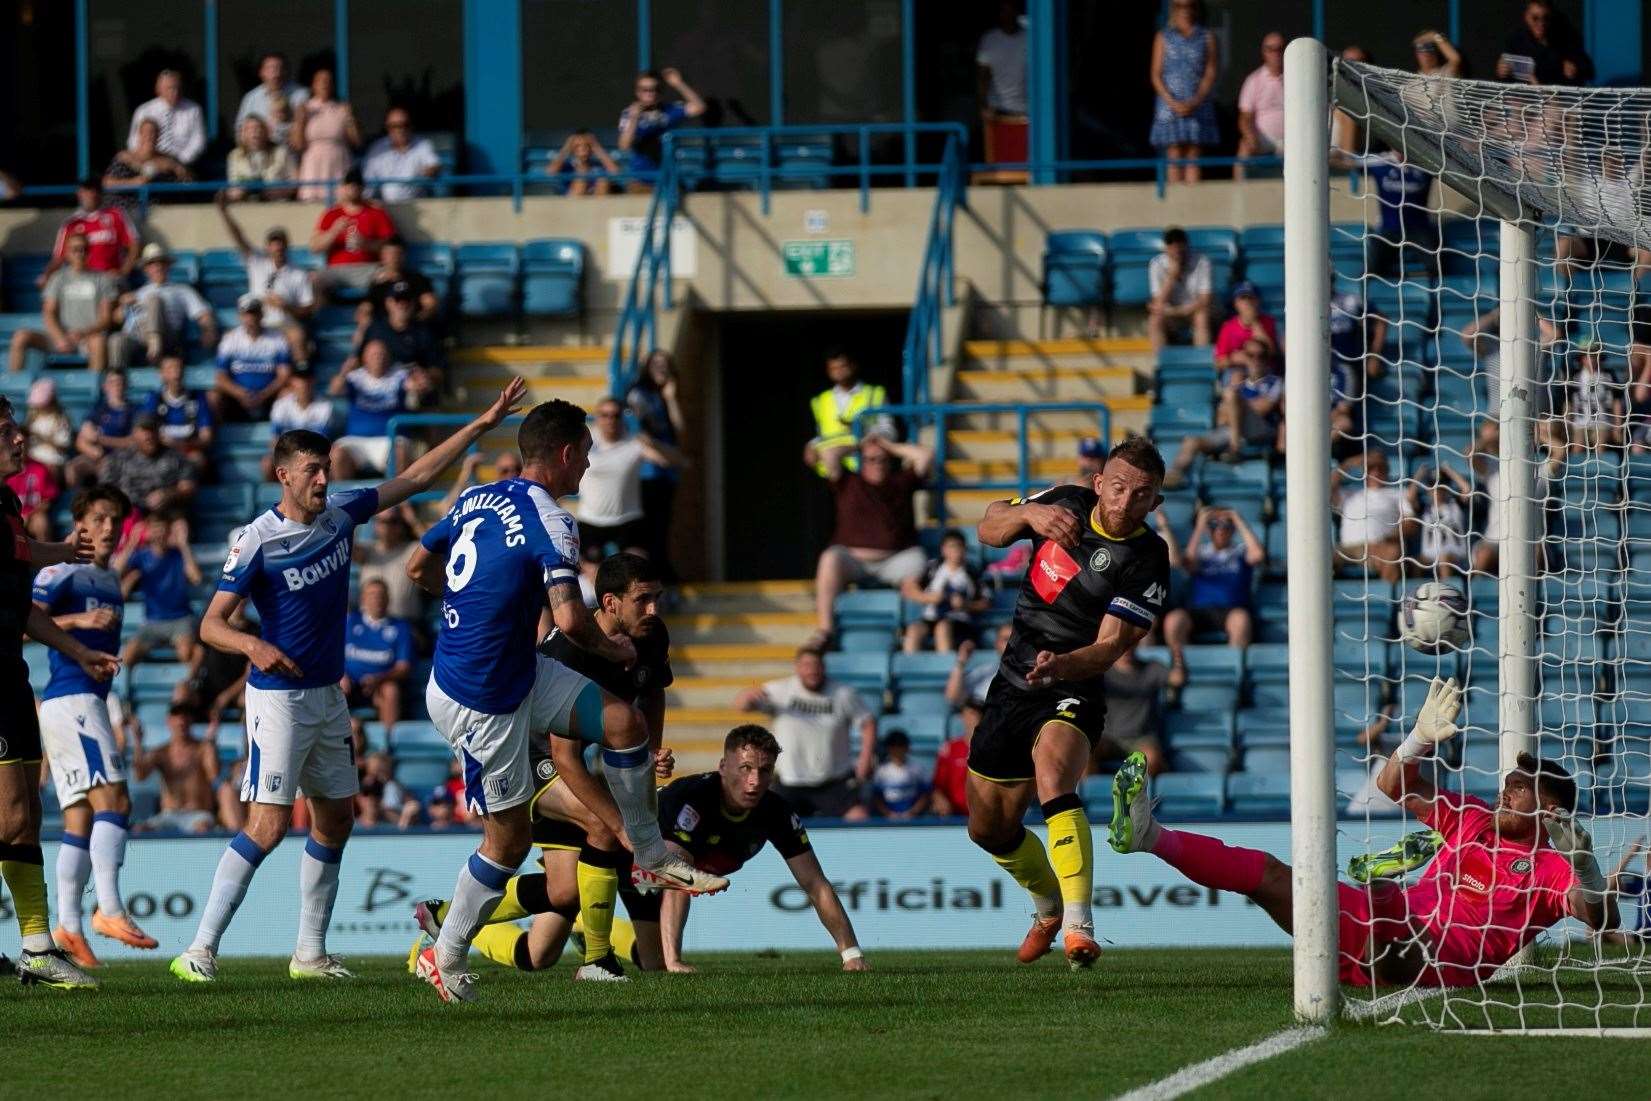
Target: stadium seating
<point>553,274</point>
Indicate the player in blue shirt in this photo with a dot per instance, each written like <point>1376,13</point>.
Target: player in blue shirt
<point>87,761</point>
<point>293,563</point>
<point>502,552</point>
<point>164,568</point>
<point>378,655</point>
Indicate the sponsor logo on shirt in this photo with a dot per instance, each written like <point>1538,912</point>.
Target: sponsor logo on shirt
<point>1100,560</point>
<point>318,570</point>
<point>1052,570</point>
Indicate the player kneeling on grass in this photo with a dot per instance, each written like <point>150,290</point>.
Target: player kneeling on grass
<point>717,821</point>
<point>88,764</point>
<point>1503,873</point>
<point>1096,583</point>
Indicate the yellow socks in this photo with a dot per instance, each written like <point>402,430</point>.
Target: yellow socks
<point>498,943</point>
<point>24,869</point>
<point>598,874</point>
<point>1028,863</point>
<point>1072,856</point>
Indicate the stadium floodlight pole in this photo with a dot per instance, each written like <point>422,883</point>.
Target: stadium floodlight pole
<point>1516,494</point>
<point>1307,428</point>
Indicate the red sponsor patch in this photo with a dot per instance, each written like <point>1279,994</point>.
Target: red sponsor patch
<point>1052,568</point>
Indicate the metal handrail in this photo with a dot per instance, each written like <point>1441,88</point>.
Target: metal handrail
<point>915,413</point>
<point>924,333</point>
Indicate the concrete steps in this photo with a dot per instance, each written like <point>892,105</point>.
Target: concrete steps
<point>788,629</point>
<point>749,596</point>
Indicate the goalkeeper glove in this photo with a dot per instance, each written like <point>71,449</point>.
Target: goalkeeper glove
<point>1575,845</point>
<point>1435,722</point>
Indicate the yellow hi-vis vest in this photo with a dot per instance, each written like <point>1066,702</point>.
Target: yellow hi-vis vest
<point>834,430</point>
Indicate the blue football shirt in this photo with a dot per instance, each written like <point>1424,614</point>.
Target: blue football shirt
<point>69,589</point>
<point>374,646</point>
<point>162,581</point>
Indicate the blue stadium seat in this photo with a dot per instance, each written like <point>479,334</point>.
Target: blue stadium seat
<point>920,681</point>
<point>1259,794</point>
<point>1263,240</point>
<point>1209,697</point>
<point>1214,665</point>
<point>553,272</point>
<point>420,775</point>
<point>1203,731</point>
<point>1259,726</point>
<point>1201,759</point>
<point>926,731</point>
<point>17,276</point>
<point>487,274</point>
<point>1183,795</point>
<point>434,261</point>
<point>866,619</point>
<point>1074,268</point>
<point>804,161</point>
<point>1219,243</point>
<point>223,277</point>
<point>865,671</point>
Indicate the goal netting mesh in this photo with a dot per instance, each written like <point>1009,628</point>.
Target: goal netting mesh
<point>1437,164</point>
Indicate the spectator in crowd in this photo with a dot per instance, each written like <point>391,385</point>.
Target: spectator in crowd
<point>188,768</point>
<point>1000,78</point>
<point>1358,335</point>
<point>1436,55</point>
<point>1246,415</point>
<point>1442,501</point>
<point>142,164</point>
<point>112,240</point>
<point>1185,65</point>
<point>441,809</point>
<point>949,790</point>
<point>179,124</point>
<point>350,234</point>
<point>1544,49</point>
<point>1634,887</point>
<point>652,400</point>
<point>1092,452</point>
<point>163,568</point>
<point>396,161</point>
<point>899,788</point>
<point>382,800</point>
<point>1346,133</point>
<point>276,90</point>
<point>217,683</point>
<point>1134,692</point>
<point>254,365</point>
<point>393,269</point>
<point>36,487</point>
<point>1592,414</point>
<point>154,477</point>
<point>610,494</point>
<point>507,465</point>
<point>185,415</point>
<point>644,124</point>
<point>1376,519</point>
<point>1408,233</point>
<point>1483,337</point>
<point>875,535</point>
<point>286,289</point>
<point>411,342</point>
<point>951,595</point>
<point>1179,282</point>
<point>395,535</point>
<point>257,160</point>
<point>378,654</point>
<point>1261,105</point>
<point>1222,556</point>
<point>107,428</point>
<point>969,680</point>
<point>297,407</point>
<point>51,436</point>
<point>326,134</point>
<point>589,169</point>
<point>817,773</point>
<point>232,812</point>
<point>1248,322</point>
<point>78,310</point>
<point>159,312</point>
<point>377,392</point>
<point>833,446</point>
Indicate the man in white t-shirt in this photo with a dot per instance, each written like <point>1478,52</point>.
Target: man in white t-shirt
<point>1261,105</point>
<point>1376,518</point>
<point>1000,61</point>
<point>820,774</point>
<point>286,289</point>
<point>1179,282</point>
<point>610,494</point>
<point>158,313</point>
<point>401,159</point>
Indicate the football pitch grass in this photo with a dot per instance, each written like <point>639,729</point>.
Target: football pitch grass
<point>937,1024</point>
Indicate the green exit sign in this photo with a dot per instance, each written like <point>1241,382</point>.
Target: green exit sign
<point>806,258</point>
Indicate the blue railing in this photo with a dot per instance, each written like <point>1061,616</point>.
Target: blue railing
<point>936,289</point>
<point>637,331</point>
<point>403,424</point>
<point>917,414</point>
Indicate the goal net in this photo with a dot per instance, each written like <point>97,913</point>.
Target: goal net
<point>1490,428</point>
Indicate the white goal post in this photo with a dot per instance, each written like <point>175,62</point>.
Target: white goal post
<point>1493,286</point>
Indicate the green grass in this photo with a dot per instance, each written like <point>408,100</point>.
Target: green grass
<point>922,1024</point>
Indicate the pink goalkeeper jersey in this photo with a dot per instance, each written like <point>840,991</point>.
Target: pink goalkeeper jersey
<point>1483,899</point>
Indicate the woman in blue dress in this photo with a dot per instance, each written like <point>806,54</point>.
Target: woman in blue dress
<point>1184,69</point>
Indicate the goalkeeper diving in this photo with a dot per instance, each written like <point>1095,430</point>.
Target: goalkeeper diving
<point>1502,875</point>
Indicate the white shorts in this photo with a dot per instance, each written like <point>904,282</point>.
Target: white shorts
<point>556,692</point>
<point>298,741</point>
<point>492,749</point>
<point>80,746</point>
<point>367,451</point>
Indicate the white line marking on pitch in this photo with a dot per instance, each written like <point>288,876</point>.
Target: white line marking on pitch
<point>1198,1075</point>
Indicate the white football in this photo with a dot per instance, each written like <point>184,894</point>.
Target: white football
<point>1434,619</point>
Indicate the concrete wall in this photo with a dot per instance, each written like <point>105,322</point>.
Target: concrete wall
<point>739,250</point>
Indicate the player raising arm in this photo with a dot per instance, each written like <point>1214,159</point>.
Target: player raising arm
<point>1502,875</point>
<point>1096,583</point>
<point>293,562</point>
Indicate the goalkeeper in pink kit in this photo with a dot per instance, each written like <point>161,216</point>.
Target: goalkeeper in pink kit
<point>1503,874</point>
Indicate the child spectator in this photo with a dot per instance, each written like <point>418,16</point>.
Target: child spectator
<point>951,595</point>
<point>1593,413</point>
<point>377,392</point>
<point>441,809</point>
<point>589,169</point>
<point>107,428</point>
<point>382,800</point>
<point>185,415</point>
<point>1442,511</point>
<point>164,568</point>
<point>898,788</point>
<point>378,655</point>
<point>36,489</point>
<point>50,434</point>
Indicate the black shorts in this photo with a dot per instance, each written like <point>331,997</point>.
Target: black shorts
<point>1001,749</point>
<point>595,539</point>
<point>548,833</point>
<point>1208,621</point>
<point>20,731</point>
